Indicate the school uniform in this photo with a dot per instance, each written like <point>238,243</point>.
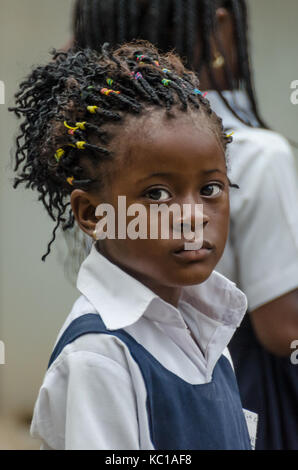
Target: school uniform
<point>261,257</point>
<point>125,372</point>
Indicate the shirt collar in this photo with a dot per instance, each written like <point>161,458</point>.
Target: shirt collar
<point>239,101</point>
<point>217,298</point>
<point>121,300</point>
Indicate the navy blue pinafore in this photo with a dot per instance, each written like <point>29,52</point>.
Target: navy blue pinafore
<point>268,386</point>
<point>181,416</point>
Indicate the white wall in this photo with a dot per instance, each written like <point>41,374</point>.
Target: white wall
<point>35,297</point>
<point>275,59</point>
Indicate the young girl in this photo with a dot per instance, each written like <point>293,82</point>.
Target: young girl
<point>138,363</point>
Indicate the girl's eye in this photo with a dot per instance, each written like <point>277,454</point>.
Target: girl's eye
<point>158,194</point>
<point>211,190</point>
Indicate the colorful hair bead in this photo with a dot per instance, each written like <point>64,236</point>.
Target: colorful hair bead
<point>81,145</point>
<point>140,57</point>
<point>69,127</point>
<point>105,91</point>
<point>138,76</point>
<point>81,125</point>
<point>230,135</point>
<point>165,70</point>
<point>156,63</point>
<point>71,130</point>
<point>70,180</point>
<point>165,82</point>
<point>92,109</point>
<point>197,91</point>
<point>205,94</point>
<point>110,81</point>
<point>59,154</point>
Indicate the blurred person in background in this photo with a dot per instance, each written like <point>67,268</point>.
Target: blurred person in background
<point>261,255</point>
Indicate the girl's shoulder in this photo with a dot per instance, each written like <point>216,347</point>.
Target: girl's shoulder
<point>256,151</point>
<point>97,346</point>
<point>259,139</point>
<point>90,367</point>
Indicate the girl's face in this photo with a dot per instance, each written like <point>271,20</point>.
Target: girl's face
<point>178,161</point>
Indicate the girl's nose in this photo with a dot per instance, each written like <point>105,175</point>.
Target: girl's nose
<point>193,218</point>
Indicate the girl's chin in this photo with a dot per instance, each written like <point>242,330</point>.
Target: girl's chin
<point>190,277</point>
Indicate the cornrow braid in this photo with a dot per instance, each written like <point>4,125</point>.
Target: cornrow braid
<point>69,105</point>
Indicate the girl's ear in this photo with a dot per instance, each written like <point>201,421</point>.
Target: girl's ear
<point>226,35</point>
<point>84,205</point>
<point>221,14</point>
<point>225,28</point>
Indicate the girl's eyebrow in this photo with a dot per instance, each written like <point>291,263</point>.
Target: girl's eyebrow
<point>156,175</point>
<point>170,175</point>
<point>216,170</point>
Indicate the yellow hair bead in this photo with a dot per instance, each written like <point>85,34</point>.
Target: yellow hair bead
<point>70,180</point>
<point>69,127</point>
<point>105,91</point>
<point>81,145</point>
<point>230,135</point>
<point>81,125</point>
<point>92,109</point>
<point>59,154</point>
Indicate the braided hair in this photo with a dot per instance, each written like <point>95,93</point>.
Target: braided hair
<point>69,104</point>
<point>170,24</point>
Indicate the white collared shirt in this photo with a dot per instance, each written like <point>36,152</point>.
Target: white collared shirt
<point>261,255</point>
<point>93,396</point>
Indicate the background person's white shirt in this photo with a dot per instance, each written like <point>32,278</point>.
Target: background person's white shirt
<point>261,255</point>
<point>93,396</point>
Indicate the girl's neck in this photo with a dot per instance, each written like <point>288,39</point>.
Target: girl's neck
<point>167,293</point>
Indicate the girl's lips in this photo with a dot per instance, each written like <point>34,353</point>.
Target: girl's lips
<point>194,255</point>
